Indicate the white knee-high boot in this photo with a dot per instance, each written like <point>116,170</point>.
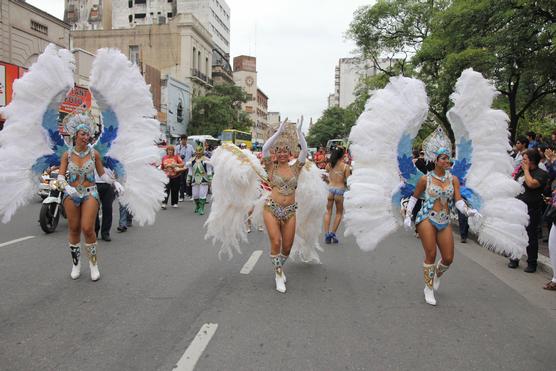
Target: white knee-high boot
<point>428,274</point>
<point>438,272</point>
<point>278,273</point>
<point>76,258</point>
<point>93,263</point>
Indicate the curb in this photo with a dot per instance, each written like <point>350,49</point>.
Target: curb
<point>543,262</point>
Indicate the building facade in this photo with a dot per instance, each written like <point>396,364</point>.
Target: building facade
<point>245,76</point>
<point>274,120</point>
<point>262,128</point>
<point>89,14</point>
<point>25,31</point>
<point>347,76</point>
<point>180,49</point>
<point>214,15</point>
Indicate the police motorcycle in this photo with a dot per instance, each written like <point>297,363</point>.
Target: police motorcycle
<point>52,207</point>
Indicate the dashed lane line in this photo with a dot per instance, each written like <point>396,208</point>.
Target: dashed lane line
<point>192,354</point>
<point>250,264</point>
<point>16,241</point>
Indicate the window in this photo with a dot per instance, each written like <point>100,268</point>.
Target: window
<point>140,2</point>
<point>199,61</point>
<point>130,18</point>
<point>193,64</point>
<point>134,54</point>
<point>170,15</point>
<point>140,15</point>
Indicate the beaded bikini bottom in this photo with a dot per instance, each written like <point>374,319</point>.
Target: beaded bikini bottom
<point>282,213</point>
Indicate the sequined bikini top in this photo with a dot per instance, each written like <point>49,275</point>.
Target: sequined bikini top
<point>286,185</point>
<point>85,172</point>
<point>435,192</point>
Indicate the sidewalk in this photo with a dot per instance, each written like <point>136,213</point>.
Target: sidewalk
<point>544,264</point>
<point>544,259</point>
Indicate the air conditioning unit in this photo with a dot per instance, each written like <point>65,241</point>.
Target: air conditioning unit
<point>161,19</point>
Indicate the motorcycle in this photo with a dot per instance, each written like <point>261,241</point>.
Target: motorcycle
<point>44,185</point>
<point>51,208</point>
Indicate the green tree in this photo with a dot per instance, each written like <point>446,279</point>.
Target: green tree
<point>335,123</point>
<point>396,30</point>
<point>218,110</point>
<point>509,41</point>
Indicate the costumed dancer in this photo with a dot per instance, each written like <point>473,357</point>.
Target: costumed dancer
<point>338,173</point>
<point>126,144</point>
<point>199,176</point>
<point>81,199</point>
<point>391,120</point>
<point>292,210</point>
<point>440,191</point>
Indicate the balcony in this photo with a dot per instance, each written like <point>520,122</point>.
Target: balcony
<point>198,75</point>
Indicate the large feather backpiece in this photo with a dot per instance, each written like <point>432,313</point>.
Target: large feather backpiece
<point>311,196</point>
<point>485,166</point>
<point>392,115</point>
<point>29,142</point>
<point>130,131</point>
<point>235,191</point>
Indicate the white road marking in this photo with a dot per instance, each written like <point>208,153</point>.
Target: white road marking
<point>16,241</point>
<point>250,264</point>
<point>192,354</point>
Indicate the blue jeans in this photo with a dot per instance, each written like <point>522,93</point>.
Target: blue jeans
<point>125,217</point>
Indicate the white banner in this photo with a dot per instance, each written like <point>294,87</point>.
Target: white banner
<point>3,92</point>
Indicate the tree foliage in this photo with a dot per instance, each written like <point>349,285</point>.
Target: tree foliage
<point>335,123</point>
<point>509,41</point>
<point>218,110</point>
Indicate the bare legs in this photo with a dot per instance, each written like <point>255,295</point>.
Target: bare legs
<point>330,236</point>
<point>281,236</point>
<point>430,238</point>
<point>82,219</point>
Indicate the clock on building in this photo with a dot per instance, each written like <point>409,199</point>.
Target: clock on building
<point>249,81</point>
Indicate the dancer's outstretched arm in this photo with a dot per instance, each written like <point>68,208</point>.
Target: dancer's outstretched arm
<point>270,142</point>
<point>302,142</point>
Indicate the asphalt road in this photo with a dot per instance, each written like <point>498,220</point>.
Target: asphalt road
<point>356,311</point>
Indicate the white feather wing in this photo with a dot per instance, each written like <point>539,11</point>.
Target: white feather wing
<point>117,84</point>
<point>23,139</point>
<point>311,196</point>
<point>235,191</point>
<point>502,227</point>
<point>399,108</point>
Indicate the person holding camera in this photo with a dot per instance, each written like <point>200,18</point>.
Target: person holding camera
<point>185,151</point>
<point>533,180</point>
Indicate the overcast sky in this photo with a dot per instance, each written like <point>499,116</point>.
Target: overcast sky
<point>297,44</point>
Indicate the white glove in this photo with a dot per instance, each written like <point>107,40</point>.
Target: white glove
<point>71,191</point>
<point>302,143</point>
<point>408,213</point>
<point>407,223</point>
<point>462,207</point>
<point>473,212</point>
<point>119,188</point>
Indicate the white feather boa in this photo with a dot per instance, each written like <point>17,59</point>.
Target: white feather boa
<point>117,83</point>
<point>236,191</point>
<point>23,139</point>
<point>399,108</point>
<point>502,228</point>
